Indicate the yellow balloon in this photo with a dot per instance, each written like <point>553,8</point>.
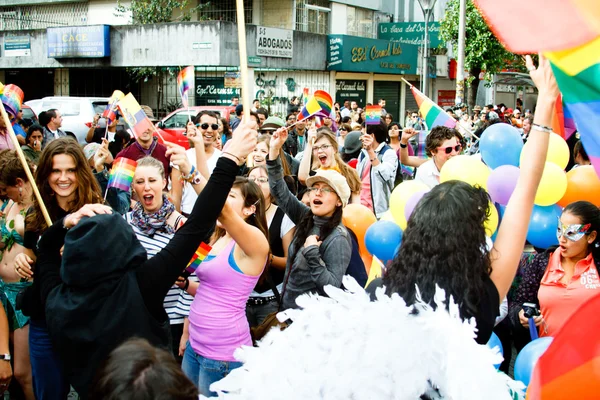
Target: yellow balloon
<point>558,151</point>
<point>467,169</point>
<point>552,186</point>
<point>491,224</point>
<point>400,196</point>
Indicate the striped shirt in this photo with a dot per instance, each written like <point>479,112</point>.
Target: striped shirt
<point>177,302</point>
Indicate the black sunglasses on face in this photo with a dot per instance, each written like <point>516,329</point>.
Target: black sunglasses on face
<point>204,126</point>
<point>448,150</point>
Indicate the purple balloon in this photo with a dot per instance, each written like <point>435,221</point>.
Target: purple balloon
<point>502,182</point>
<point>412,201</point>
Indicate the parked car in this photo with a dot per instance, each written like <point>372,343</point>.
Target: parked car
<point>76,111</point>
<point>29,114</point>
<point>176,122</point>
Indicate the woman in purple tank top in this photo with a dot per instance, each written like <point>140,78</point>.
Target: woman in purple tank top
<point>217,321</point>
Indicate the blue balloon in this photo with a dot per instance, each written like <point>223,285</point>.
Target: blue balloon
<point>528,357</point>
<point>493,343</point>
<point>501,144</point>
<point>542,226</point>
<point>382,239</point>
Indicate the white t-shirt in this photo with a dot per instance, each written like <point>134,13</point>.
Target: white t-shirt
<point>428,174</point>
<point>189,194</point>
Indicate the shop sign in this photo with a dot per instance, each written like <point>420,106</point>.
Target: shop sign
<point>274,42</point>
<point>79,41</point>
<point>17,46</point>
<point>212,92</point>
<point>233,80</point>
<point>446,98</point>
<point>350,90</point>
<point>410,33</point>
<point>355,54</point>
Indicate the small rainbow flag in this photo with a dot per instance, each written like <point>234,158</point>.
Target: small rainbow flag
<point>198,257</point>
<point>110,112</point>
<point>569,369</point>
<point>305,94</point>
<point>321,102</point>
<point>325,101</point>
<point>121,174</point>
<point>184,83</point>
<point>433,114</point>
<point>134,115</point>
<point>373,114</point>
<point>12,98</point>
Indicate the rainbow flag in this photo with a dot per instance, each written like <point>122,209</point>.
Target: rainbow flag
<point>309,109</point>
<point>325,101</point>
<point>548,25</point>
<point>110,112</point>
<point>121,174</point>
<point>431,112</point>
<point>570,368</point>
<point>12,98</point>
<point>577,73</point>
<point>134,115</point>
<point>569,122</point>
<point>305,94</point>
<point>198,257</point>
<point>373,114</point>
<point>185,80</point>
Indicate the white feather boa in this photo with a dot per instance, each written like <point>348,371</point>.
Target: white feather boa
<point>347,347</point>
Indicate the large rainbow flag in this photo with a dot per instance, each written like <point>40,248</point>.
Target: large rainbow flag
<point>570,368</point>
<point>431,112</point>
<point>185,80</point>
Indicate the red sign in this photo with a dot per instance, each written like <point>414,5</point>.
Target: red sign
<point>446,98</point>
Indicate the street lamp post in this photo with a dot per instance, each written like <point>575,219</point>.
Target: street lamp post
<point>427,8</point>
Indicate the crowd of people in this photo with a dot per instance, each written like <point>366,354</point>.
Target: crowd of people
<point>267,196</point>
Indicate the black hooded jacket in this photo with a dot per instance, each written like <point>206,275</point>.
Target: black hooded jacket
<point>104,290</point>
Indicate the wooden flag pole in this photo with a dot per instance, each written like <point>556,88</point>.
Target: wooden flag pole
<point>15,141</point>
<point>407,82</point>
<point>241,24</point>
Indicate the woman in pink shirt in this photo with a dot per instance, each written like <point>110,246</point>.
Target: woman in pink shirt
<point>217,321</point>
<point>561,280</point>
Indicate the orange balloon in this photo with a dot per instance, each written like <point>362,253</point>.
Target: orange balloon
<point>582,184</point>
<point>359,218</point>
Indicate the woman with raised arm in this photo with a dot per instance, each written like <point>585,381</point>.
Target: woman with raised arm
<point>103,266</point>
<point>477,278</point>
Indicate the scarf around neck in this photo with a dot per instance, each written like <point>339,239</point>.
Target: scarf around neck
<point>149,224</point>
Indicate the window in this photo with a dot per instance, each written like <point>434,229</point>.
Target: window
<point>224,10</point>
<point>360,22</point>
<point>179,120</point>
<point>312,16</point>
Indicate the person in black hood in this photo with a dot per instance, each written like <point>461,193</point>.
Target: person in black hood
<point>103,290</point>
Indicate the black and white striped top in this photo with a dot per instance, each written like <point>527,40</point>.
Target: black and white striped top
<point>177,302</point>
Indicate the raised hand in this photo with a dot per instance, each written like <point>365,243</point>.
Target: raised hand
<point>89,210</point>
<point>243,141</point>
<point>178,158</point>
<point>407,133</point>
<point>542,76</point>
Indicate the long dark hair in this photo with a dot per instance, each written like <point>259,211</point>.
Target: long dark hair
<point>306,224</point>
<point>88,190</point>
<point>588,214</point>
<point>444,244</point>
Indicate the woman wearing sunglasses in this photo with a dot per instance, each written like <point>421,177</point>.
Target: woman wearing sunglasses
<point>441,145</point>
<point>562,278</point>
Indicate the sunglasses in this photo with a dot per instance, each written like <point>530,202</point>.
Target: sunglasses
<point>204,126</point>
<point>449,149</point>
<point>572,232</point>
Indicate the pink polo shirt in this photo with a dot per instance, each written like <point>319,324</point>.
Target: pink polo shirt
<point>558,301</point>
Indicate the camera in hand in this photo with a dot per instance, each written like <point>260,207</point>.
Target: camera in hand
<point>530,310</point>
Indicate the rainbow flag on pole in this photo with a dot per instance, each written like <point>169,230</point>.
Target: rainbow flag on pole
<point>121,174</point>
<point>12,98</point>
<point>320,102</point>
<point>133,114</point>
<point>431,112</point>
<point>570,368</point>
<point>110,112</point>
<point>198,257</point>
<point>185,80</point>
<point>305,94</point>
<point>373,114</point>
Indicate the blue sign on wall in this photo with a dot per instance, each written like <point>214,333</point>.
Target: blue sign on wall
<point>79,41</point>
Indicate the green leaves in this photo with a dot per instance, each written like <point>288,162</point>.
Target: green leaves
<point>158,11</point>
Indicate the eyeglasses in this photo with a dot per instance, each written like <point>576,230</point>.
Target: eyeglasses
<point>260,179</point>
<point>204,126</point>
<point>572,232</point>
<point>324,148</point>
<point>449,149</point>
<point>320,190</point>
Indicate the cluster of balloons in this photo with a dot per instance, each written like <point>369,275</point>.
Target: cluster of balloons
<point>528,357</point>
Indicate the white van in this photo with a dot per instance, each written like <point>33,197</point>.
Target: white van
<point>77,112</point>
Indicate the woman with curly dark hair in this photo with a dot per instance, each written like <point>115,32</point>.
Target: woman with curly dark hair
<point>445,243</point>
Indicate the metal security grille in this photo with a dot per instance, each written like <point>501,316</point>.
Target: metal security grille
<point>224,10</point>
<point>360,22</point>
<point>313,16</point>
<point>43,16</point>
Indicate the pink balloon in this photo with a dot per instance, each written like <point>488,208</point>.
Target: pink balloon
<point>412,202</point>
<point>502,182</point>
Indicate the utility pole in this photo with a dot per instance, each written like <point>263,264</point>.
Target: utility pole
<point>460,67</point>
<point>427,8</point>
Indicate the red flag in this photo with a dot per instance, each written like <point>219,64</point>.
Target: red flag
<point>558,118</point>
<point>570,368</point>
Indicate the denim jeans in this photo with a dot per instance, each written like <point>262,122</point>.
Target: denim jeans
<point>204,371</point>
<point>49,381</point>
<point>257,314</point>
